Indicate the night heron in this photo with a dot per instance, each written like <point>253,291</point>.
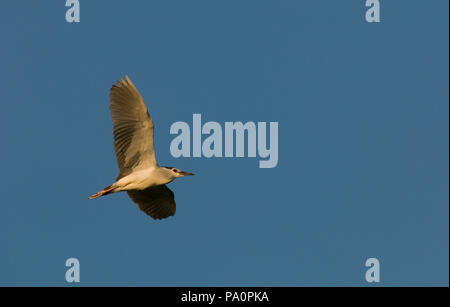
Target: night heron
<point>143,179</point>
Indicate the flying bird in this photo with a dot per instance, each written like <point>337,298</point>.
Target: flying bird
<point>140,176</point>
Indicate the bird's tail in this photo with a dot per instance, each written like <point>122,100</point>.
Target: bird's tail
<point>103,192</point>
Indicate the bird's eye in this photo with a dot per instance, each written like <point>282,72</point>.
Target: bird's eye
<point>175,170</point>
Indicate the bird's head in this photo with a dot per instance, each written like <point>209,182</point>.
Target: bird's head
<point>176,173</point>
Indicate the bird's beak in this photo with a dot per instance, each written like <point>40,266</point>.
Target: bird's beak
<point>186,174</point>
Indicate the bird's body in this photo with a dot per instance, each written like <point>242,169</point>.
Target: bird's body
<point>140,180</point>
<point>143,179</point>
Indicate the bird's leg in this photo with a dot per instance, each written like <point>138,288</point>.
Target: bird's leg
<point>103,192</point>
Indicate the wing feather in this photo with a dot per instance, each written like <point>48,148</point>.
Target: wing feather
<point>133,128</point>
<point>158,201</point>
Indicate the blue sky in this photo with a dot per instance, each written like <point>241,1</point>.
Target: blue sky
<point>363,142</point>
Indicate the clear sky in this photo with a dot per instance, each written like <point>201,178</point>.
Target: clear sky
<point>363,119</point>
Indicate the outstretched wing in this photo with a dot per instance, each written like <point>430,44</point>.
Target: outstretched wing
<point>133,128</point>
<point>157,201</point>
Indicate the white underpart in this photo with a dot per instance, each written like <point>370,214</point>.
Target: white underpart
<point>140,180</point>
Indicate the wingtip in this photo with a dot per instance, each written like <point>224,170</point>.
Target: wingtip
<point>129,80</point>
<point>122,80</point>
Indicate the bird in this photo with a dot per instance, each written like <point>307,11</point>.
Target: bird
<point>139,173</point>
